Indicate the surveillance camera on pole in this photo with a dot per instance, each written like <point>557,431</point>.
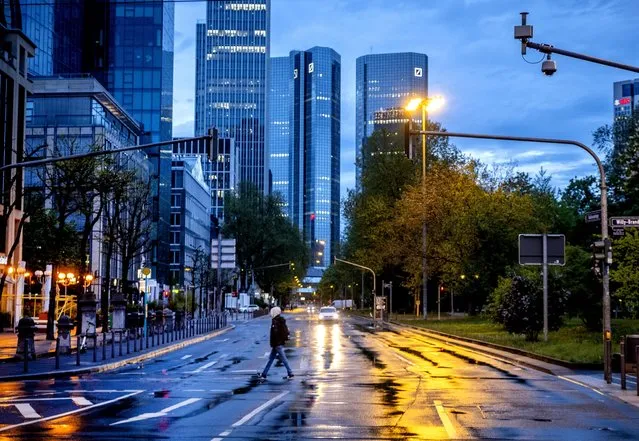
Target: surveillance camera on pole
<point>524,33</point>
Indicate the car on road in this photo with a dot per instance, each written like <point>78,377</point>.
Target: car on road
<point>249,308</point>
<point>328,313</point>
<point>310,309</point>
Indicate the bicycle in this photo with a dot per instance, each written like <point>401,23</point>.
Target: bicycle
<point>83,340</point>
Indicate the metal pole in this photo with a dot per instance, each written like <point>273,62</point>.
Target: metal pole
<point>391,299</point>
<point>545,282</point>
<point>622,349</point>
<point>607,331</point>
<point>452,295</point>
<point>439,303</point>
<point>424,227</point>
<point>362,299</point>
<point>144,305</point>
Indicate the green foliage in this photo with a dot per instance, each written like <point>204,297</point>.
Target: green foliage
<point>586,292</point>
<point>520,307</point>
<point>626,273</point>
<point>264,237</point>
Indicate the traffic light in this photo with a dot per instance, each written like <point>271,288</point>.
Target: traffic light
<point>608,251</point>
<point>598,255</point>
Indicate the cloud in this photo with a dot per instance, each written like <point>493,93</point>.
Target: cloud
<point>184,129</point>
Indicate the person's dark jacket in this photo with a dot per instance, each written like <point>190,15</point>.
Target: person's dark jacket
<point>279,331</point>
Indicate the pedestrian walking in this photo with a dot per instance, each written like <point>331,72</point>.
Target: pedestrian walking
<point>279,335</point>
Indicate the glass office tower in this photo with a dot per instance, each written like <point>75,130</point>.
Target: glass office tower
<point>232,55</point>
<point>310,81</point>
<point>279,103</point>
<point>385,82</point>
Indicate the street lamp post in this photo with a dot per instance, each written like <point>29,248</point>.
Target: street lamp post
<point>146,272</point>
<point>607,331</point>
<point>427,104</point>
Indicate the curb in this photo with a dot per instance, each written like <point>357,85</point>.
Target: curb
<point>117,364</point>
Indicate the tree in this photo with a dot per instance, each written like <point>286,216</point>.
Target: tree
<point>264,236</point>
<point>625,273</point>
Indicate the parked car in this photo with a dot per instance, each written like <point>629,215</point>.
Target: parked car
<point>328,313</point>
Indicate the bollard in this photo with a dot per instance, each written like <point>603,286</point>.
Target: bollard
<point>637,367</point>
<point>95,348</point>
<point>77,351</point>
<point>608,351</point>
<point>163,329</point>
<point>622,346</point>
<point>57,352</point>
<point>112,344</point>
<point>120,350</point>
<point>104,346</point>
<point>128,345</point>
<point>147,338</point>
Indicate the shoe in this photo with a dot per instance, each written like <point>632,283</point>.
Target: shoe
<point>289,377</point>
<point>260,377</point>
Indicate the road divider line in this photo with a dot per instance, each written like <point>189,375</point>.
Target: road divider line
<point>266,405</point>
<point>161,413</point>
<point>27,411</point>
<point>72,412</point>
<point>203,367</point>
<point>246,418</point>
<point>186,356</point>
<point>448,425</point>
<point>405,360</point>
<point>579,383</point>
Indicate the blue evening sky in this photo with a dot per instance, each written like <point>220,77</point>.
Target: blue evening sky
<point>473,61</point>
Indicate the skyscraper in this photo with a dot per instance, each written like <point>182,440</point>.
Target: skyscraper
<point>279,104</point>
<point>232,55</point>
<point>385,82</point>
<point>626,97</point>
<point>310,83</point>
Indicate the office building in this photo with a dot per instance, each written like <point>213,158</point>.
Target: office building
<point>232,55</point>
<point>190,220</point>
<point>15,51</point>
<point>312,86</point>
<point>385,82</point>
<point>73,115</point>
<point>626,98</point>
<point>220,167</point>
<point>279,104</point>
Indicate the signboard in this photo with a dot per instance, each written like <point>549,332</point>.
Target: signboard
<point>223,253</point>
<point>625,222</point>
<point>380,303</point>
<point>593,216</point>
<point>618,232</point>
<point>531,249</point>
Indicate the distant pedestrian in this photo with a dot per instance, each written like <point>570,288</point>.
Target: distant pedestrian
<point>279,335</point>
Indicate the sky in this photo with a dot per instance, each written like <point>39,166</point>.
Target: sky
<point>474,62</point>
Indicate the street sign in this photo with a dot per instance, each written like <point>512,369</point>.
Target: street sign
<point>380,303</point>
<point>618,232</point>
<point>625,222</point>
<point>531,249</point>
<point>223,253</point>
<point>593,216</point>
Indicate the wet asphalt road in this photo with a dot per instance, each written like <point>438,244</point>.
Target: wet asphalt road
<point>350,384</point>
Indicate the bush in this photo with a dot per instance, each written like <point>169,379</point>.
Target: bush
<point>517,303</point>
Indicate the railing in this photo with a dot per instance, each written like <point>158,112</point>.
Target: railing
<point>124,342</point>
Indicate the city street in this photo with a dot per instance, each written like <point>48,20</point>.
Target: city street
<point>349,384</point>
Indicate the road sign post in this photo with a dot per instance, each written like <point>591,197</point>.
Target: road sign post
<point>542,249</point>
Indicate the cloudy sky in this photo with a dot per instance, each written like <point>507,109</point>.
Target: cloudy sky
<point>473,61</point>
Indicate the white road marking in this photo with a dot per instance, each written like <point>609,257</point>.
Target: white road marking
<point>266,354</point>
<point>579,383</point>
<point>219,341</point>
<point>100,391</point>
<point>72,412</point>
<point>81,401</point>
<point>245,371</point>
<point>224,355</point>
<point>221,391</point>
<point>448,425</point>
<point>26,410</point>
<point>266,405</point>
<point>248,416</point>
<point>201,368</point>
<point>194,390</point>
<point>163,412</point>
<point>185,357</point>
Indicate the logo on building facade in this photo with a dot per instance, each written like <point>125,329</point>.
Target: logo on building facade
<point>311,67</point>
<point>295,74</point>
<point>419,72</point>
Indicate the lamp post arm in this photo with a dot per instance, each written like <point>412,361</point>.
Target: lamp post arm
<point>359,266</point>
<point>549,49</point>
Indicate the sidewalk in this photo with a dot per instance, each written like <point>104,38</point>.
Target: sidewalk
<point>106,357</point>
<point>9,342</point>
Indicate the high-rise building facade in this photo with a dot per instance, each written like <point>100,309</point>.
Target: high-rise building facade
<point>279,104</point>
<point>312,86</point>
<point>385,82</point>
<point>232,56</point>
<point>626,98</point>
